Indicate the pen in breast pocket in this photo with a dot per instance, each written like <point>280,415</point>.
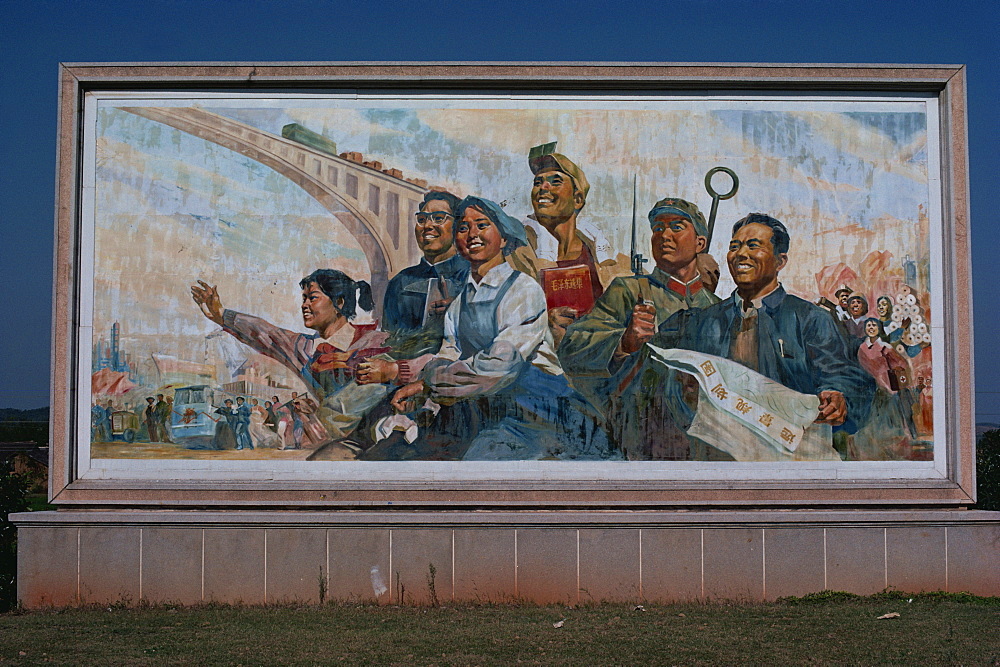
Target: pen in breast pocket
<point>781,346</point>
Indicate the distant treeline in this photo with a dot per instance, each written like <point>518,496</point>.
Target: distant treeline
<point>25,425</point>
<point>33,415</point>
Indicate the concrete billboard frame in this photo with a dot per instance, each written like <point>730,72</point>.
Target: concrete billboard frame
<point>951,485</point>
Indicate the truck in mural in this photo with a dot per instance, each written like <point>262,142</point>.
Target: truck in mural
<point>193,407</point>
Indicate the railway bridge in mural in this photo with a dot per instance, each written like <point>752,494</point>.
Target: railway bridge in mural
<point>379,202</point>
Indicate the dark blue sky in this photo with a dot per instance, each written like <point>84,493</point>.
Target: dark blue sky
<point>37,35</point>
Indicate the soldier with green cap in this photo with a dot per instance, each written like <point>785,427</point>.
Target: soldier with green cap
<point>603,352</point>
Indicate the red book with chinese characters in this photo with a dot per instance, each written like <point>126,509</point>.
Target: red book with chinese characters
<point>569,286</point>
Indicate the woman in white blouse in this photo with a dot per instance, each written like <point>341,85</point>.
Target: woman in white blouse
<point>498,352</point>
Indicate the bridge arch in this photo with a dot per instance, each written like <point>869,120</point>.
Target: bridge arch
<point>381,229</point>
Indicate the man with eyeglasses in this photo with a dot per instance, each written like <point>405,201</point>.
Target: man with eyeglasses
<point>418,296</point>
<point>413,313</point>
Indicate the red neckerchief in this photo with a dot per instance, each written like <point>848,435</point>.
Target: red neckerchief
<point>327,357</point>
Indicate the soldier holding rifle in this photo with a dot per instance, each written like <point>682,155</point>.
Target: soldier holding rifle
<point>603,351</point>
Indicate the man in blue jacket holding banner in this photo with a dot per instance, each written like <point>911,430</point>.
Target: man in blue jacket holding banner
<point>778,335</point>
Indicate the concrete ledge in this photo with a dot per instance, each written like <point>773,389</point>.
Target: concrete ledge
<point>472,519</point>
<point>260,557</point>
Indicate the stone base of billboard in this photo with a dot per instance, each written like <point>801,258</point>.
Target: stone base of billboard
<point>256,557</point>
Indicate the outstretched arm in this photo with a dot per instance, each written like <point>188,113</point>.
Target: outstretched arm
<point>207,298</point>
<point>286,346</point>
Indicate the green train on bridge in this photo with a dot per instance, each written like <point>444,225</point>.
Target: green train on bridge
<point>303,135</point>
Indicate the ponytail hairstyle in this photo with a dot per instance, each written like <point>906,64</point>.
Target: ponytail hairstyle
<point>365,299</point>
<point>338,285</point>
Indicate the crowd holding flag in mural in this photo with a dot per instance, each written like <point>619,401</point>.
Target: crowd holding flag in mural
<point>538,339</point>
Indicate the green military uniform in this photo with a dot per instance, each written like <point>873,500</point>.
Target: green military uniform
<point>629,389</point>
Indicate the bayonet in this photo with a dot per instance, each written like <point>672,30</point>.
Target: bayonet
<point>637,259</point>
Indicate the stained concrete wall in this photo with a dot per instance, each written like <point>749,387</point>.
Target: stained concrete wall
<point>77,557</point>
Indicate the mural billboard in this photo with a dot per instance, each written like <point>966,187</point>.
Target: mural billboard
<point>382,284</point>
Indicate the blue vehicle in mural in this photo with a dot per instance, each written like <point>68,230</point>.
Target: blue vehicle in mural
<point>193,410</point>
<point>194,413</point>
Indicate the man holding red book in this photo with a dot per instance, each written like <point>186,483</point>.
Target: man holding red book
<point>563,253</point>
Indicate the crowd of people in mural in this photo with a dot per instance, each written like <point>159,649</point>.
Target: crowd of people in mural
<point>893,346</point>
<point>275,425</point>
<point>515,340</point>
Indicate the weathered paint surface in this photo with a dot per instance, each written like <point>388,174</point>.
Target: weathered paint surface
<point>853,181</point>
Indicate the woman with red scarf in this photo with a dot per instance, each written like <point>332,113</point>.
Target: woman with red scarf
<point>326,360</point>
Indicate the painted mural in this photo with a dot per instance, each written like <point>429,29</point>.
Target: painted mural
<point>340,279</point>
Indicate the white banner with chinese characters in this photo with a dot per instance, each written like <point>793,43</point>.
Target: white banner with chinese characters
<point>749,416</point>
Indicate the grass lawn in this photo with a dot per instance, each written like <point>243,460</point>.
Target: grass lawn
<point>823,629</point>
